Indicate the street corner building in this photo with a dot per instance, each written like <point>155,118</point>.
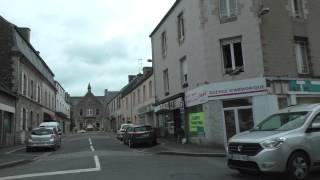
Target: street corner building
<point>26,74</point>
<point>222,66</point>
<point>89,112</point>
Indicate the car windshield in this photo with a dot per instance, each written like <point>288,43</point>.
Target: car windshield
<point>40,132</point>
<point>125,126</point>
<point>283,122</point>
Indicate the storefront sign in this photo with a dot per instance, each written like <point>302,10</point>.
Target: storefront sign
<point>226,90</point>
<point>170,105</point>
<point>196,122</point>
<point>304,86</point>
<point>196,96</point>
<point>237,89</point>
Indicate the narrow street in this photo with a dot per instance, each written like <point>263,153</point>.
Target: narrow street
<point>100,156</point>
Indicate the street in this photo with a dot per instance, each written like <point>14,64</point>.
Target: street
<point>101,156</point>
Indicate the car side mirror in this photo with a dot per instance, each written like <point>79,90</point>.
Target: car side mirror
<point>315,127</point>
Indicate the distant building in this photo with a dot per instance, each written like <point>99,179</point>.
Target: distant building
<point>26,74</point>
<point>7,115</point>
<point>63,108</point>
<point>89,112</point>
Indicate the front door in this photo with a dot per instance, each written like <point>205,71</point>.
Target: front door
<point>238,119</point>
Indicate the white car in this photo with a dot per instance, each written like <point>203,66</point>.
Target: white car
<point>122,130</point>
<point>81,131</point>
<point>52,124</point>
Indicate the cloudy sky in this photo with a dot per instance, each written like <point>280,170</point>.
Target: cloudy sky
<point>82,41</point>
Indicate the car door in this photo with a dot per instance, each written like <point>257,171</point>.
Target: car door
<point>314,138</point>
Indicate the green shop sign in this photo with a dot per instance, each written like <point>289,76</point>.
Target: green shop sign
<point>304,86</point>
<point>196,122</point>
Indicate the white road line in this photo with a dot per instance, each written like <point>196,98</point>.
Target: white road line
<point>76,171</point>
<point>90,142</point>
<point>92,149</point>
<point>15,150</point>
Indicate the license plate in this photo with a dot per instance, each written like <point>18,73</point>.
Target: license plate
<point>238,157</point>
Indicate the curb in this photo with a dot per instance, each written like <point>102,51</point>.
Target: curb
<point>14,163</point>
<point>176,153</point>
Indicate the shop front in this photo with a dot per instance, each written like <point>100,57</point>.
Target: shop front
<point>170,116</point>
<point>228,108</point>
<point>146,115</point>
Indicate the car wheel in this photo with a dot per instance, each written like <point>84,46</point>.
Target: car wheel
<point>130,143</point>
<point>55,147</point>
<point>298,167</point>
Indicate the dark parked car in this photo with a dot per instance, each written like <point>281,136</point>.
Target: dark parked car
<point>139,134</point>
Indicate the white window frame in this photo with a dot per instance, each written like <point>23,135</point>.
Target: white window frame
<point>89,112</point>
<point>184,71</point>
<point>298,12</point>
<point>301,45</point>
<point>229,12</point>
<point>166,81</point>
<point>164,44</point>
<point>231,42</point>
<point>181,28</point>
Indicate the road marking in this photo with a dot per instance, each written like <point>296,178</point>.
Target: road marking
<point>90,142</point>
<point>15,150</point>
<point>92,149</point>
<point>76,171</point>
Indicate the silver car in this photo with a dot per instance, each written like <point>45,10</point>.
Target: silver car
<point>286,142</point>
<point>43,137</point>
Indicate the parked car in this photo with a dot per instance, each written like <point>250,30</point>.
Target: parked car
<point>52,124</point>
<point>139,134</point>
<point>81,131</point>
<point>122,130</point>
<point>43,137</point>
<point>286,142</point>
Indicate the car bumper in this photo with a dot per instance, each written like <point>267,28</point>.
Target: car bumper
<point>268,160</point>
<point>41,145</point>
<point>143,140</point>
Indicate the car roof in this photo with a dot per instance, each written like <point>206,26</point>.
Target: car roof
<point>301,108</point>
<point>49,123</point>
<point>51,128</point>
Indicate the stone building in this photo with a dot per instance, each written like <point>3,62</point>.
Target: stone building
<point>222,66</point>
<point>63,108</point>
<point>26,74</point>
<point>89,112</point>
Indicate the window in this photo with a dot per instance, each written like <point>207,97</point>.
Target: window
<point>184,72</point>
<point>24,119</point>
<point>127,103</point>
<point>139,96</point>
<point>45,98</point>
<point>97,111</point>
<point>301,51</point>
<point>24,84</point>
<point>134,98</point>
<point>144,92</point>
<point>89,112</point>
<point>166,82</point>
<point>228,8</point>
<point>232,56</point>
<point>150,89</point>
<point>297,8</point>
<point>164,44</point>
<point>81,112</point>
<point>180,28</point>
<point>31,89</point>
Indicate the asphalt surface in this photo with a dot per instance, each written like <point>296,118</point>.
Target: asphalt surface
<point>100,157</point>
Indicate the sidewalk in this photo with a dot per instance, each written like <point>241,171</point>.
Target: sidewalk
<point>9,159</point>
<point>168,147</point>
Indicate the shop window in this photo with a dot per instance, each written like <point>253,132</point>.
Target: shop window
<point>8,122</point>
<point>301,52</point>
<point>232,56</point>
<point>228,8</point>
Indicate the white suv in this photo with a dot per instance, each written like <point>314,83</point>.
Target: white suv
<point>288,141</point>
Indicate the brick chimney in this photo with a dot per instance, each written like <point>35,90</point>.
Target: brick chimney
<point>106,92</point>
<point>25,32</point>
<point>146,70</point>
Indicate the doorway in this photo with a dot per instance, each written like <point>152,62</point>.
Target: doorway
<point>238,117</point>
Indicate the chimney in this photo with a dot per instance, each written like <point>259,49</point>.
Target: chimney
<point>25,32</point>
<point>146,70</point>
<point>106,92</point>
<point>131,77</point>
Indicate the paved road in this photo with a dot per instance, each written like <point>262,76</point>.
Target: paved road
<point>102,157</point>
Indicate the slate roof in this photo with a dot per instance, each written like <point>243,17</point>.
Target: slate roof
<point>75,100</point>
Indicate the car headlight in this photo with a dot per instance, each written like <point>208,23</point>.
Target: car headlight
<point>273,143</point>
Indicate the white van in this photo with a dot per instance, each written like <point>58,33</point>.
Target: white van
<point>52,124</point>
